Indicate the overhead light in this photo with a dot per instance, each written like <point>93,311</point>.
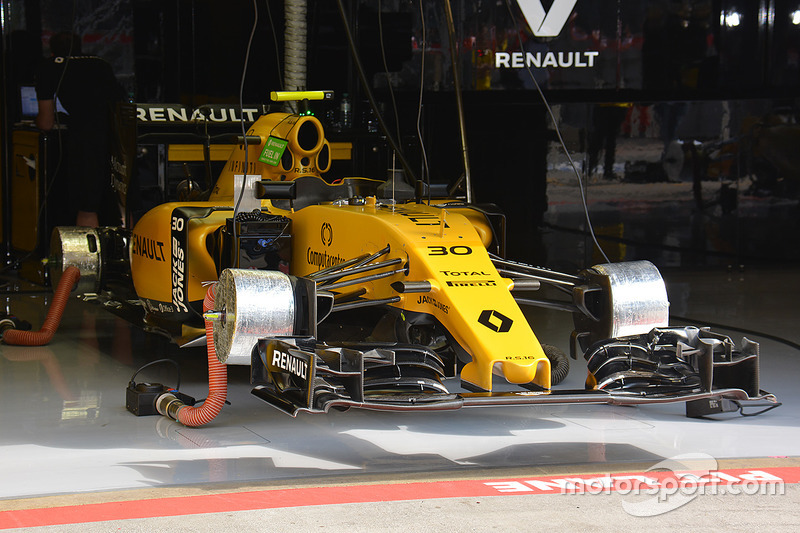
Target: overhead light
<point>795,17</point>
<point>731,19</point>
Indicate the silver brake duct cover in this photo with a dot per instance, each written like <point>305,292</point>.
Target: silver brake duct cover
<point>78,247</point>
<point>637,297</point>
<point>254,304</point>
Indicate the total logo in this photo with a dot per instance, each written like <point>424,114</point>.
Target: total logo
<point>546,24</point>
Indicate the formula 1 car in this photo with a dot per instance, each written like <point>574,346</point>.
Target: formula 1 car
<point>355,294</point>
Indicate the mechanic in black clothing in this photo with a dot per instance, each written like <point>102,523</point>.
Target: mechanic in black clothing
<point>87,88</point>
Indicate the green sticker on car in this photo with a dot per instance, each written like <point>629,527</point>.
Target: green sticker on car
<point>273,151</point>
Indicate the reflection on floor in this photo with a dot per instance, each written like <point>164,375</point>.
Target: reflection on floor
<point>65,428</point>
<point>672,222</point>
<point>760,232</point>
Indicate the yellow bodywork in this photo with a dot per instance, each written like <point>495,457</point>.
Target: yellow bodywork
<point>467,294</point>
<point>160,265</point>
<point>446,247</point>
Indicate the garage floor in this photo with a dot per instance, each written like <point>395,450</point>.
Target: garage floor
<point>65,428</point>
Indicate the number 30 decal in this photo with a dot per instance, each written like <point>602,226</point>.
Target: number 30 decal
<point>453,250</point>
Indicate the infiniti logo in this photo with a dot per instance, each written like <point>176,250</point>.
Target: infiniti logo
<point>326,234</point>
<point>546,23</point>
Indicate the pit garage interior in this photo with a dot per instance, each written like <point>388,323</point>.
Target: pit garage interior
<point>670,136</point>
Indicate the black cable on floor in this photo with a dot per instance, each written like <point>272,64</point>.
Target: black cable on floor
<point>157,362</point>
<point>761,412</point>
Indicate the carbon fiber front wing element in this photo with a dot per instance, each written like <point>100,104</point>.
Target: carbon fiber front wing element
<point>688,365</point>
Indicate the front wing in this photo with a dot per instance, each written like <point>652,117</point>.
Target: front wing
<point>688,365</point>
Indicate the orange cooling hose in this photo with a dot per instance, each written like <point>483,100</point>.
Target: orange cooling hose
<point>217,378</point>
<point>51,323</point>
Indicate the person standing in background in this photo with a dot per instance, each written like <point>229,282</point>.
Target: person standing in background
<point>88,90</point>
<point>607,119</point>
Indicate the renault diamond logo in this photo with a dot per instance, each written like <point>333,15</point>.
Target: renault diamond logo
<point>546,23</point>
<point>495,321</point>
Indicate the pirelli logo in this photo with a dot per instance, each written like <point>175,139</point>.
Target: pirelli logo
<point>473,283</point>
